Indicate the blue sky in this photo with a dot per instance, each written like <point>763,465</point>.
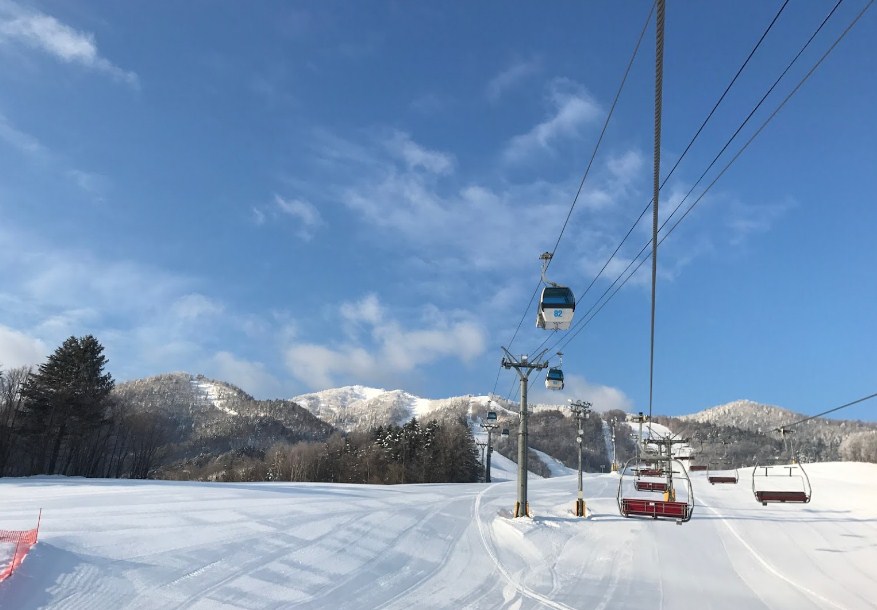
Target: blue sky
<point>295,196</point>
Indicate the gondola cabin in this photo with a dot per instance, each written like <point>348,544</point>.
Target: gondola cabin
<point>556,308</point>
<point>554,379</point>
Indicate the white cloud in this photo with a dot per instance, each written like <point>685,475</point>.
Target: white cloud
<point>90,182</point>
<point>510,77</point>
<point>252,377</point>
<point>626,167</point>
<point>576,387</point>
<point>194,306</point>
<point>389,351</point>
<point>368,310</point>
<point>429,104</point>
<point>24,142</point>
<point>469,222</point>
<point>47,34</point>
<point>415,156</point>
<point>571,108</point>
<point>19,349</point>
<point>744,220</point>
<point>304,212</point>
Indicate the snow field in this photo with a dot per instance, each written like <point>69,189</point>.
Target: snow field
<point>150,544</point>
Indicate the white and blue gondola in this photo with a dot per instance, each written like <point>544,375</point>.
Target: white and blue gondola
<point>556,308</point>
<point>554,379</point>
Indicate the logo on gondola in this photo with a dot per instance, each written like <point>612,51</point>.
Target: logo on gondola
<point>558,313</point>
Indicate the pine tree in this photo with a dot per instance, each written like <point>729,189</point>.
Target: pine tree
<point>66,405</point>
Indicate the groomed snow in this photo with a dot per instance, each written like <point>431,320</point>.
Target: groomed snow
<point>153,545</point>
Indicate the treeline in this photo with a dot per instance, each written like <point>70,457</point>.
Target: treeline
<point>435,452</point>
<point>65,418</point>
<point>554,432</point>
<point>62,419</point>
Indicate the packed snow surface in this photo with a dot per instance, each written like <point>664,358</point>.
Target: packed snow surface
<point>109,544</point>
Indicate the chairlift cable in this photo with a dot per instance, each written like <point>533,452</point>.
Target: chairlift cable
<point>659,91</point>
<point>584,320</point>
<point>849,404</point>
<point>676,165</point>
<point>588,168</point>
<point>689,145</point>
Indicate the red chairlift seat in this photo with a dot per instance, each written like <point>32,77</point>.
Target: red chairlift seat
<point>650,486</point>
<point>670,506</point>
<point>722,475</point>
<point>655,509</point>
<point>650,472</point>
<point>721,479</point>
<point>697,467</point>
<point>782,496</point>
<point>795,476</point>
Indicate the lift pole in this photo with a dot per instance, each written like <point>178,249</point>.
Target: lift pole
<point>523,368</point>
<point>580,410</point>
<point>490,426</point>
<point>481,445</point>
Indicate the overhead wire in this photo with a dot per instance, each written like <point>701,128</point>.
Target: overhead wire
<point>659,92</point>
<point>579,326</point>
<point>585,175</point>
<point>672,170</point>
<point>844,406</point>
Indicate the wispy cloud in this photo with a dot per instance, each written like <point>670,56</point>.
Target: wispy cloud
<point>510,77</point>
<point>20,349</point>
<point>571,107</point>
<point>416,156</point>
<point>387,352</point>
<point>43,32</point>
<point>430,104</point>
<point>304,212</point>
<point>577,387</point>
<point>25,143</point>
<point>252,377</point>
<point>744,220</point>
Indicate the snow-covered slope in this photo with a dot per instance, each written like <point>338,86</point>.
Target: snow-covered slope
<point>745,414</point>
<point>162,545</point>
<point>362,407</point>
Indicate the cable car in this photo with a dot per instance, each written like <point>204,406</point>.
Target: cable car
<point>557,303</point>
<point>554,379</point>
<point>556,308</point>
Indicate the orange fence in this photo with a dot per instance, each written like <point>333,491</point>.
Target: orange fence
<point>21,542</point>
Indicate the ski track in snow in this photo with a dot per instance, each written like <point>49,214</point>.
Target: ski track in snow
<point>767,564</point>
<point>162,545</point>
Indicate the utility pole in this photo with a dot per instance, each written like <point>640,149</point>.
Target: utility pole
<point>523,368</point>
<point>490,426</point>
<point>639,419</point>
<point>580,410</point>
<point>481,445</point>
<point>614,460</point>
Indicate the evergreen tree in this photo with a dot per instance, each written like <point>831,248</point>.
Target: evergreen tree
<point>65,406</point>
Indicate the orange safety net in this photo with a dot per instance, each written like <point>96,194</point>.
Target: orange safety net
<point>20,543</point>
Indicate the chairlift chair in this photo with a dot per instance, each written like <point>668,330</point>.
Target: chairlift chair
<point>785,483</point>
<point>722,475</point>
<point>669,507</point>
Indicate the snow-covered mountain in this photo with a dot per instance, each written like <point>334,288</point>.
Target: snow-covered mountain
<point>191,392</point>
<point>745,414</point>
<point>361,407</point>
